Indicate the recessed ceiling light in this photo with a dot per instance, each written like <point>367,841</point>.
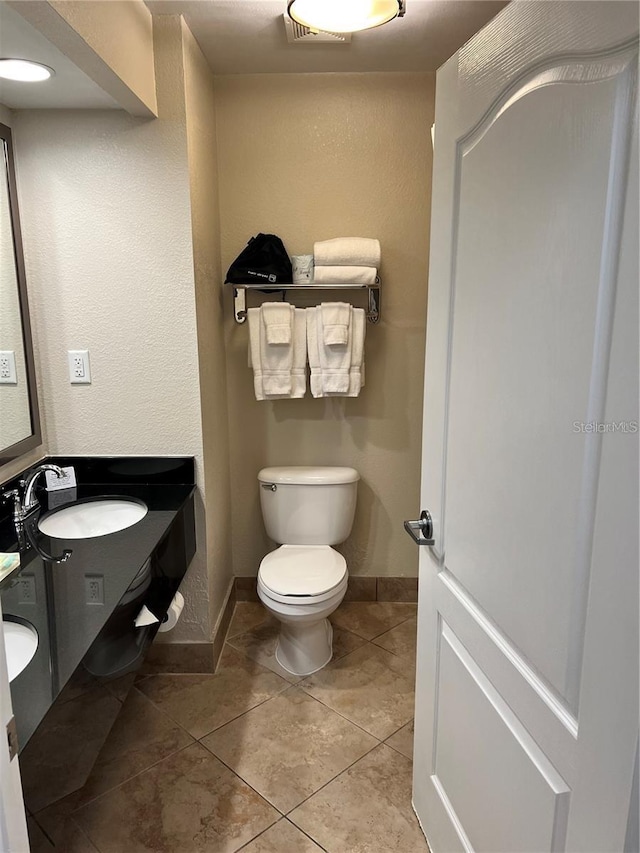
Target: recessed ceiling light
<point>24,70</point>
<point>345,16</point>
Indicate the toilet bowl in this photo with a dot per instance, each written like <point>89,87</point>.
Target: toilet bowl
<point>304,580</point>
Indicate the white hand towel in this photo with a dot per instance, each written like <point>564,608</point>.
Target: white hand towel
<point>335,361</point>
<point>277,318</point>
<point>356,371</point>
<point>266,380</point>
<point>350,251</point>
<point>358,331</point>
<point>336,318</point>
<point>299,369</point>
<point>344,275</point>
<point>315,380</point>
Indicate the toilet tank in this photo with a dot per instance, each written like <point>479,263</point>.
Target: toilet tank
<point>308,506</point>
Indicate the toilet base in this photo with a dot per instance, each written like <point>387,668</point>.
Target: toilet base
<point>304,648</point>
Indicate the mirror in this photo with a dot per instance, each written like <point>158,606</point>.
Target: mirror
<point>19,418</point>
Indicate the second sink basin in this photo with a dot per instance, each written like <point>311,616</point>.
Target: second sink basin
<point>87,519</point>
<point>20,643</point>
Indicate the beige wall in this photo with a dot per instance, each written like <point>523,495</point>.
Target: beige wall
<point>107,220</point>
<point>110,40</point>
<point>121,31</point>
<point>205,224</point>
<point>309,157</point>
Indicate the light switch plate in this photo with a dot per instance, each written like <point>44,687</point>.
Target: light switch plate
<point>8,368</point>
<point>79,367</point>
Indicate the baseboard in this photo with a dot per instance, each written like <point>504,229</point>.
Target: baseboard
<point>204,657</point>
<point>223,624</point>
<point>191,657</point>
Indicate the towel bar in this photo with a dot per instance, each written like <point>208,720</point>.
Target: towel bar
<point>240,298</point>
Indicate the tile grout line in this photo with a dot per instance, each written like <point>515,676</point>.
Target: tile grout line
<point>287,685</point>
<point>397,750</point>
<point>357,725</point>
<point>301,686</point>
<point>130,778</point>
<point>164,713</point>
<point>283,818</point>
<point>306,834</point>
<point>300,678</point>
<point>249,785</point>
<point>310,696</point>
<point>255,660</point>
<point>84,834</point>
<point>259,835</point>
<point>246,711</point>
<point>341,773</point>
<point>344,770</point>
<point>243,713</point>
<point>264,797</point>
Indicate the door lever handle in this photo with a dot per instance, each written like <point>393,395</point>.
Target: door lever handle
<point>421,531</point>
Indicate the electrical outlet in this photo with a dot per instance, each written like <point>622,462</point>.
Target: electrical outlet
<point>94,589</point>
<point>27,589</point>
<point>8,368</point>
<point>79,369</point>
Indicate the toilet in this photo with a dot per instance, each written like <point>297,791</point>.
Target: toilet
<point>304,580</point>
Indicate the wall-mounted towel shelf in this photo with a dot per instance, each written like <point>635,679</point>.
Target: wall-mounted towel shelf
<point>240,297</point>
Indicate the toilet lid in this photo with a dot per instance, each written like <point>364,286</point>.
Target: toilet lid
<point>302,569</point>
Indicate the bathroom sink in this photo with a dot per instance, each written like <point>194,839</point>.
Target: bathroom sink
<point>21,643</point>
<point>87,519</point>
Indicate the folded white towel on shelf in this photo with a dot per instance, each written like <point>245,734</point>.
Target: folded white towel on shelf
<point>278,318</point>
<point>279,372</point>
<point>336,317</point>
<point>350,251</point>
<point>344,275</point>
<point>336,371</point>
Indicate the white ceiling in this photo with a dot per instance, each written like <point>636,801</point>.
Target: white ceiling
<point>248,36</point>
<point>69,88</point>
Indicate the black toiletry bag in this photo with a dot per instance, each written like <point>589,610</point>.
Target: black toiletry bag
<point>264,260</point>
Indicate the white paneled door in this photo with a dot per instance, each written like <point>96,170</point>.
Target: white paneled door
<point>527,688</point>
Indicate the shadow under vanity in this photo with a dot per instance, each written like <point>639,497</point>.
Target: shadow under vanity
<point>84,609</point>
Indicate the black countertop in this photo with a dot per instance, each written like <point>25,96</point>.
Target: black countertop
<point>55,597</point>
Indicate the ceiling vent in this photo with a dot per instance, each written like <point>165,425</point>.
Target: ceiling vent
<point>297,34</point>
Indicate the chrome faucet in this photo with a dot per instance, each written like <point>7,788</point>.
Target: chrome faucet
<point>22,508</point>
<point>25,507</point>
<point>30,501</point>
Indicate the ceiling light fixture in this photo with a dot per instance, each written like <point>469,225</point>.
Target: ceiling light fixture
<point>24,70</point>
<point>345,16</point>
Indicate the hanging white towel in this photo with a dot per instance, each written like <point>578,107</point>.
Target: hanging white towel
<point>356,371</point>
<point>336,371</point>
<point>279,372</point>
<point>358,331</point>
<point>344,275</point>
<point>336,318</point>
<point>278,318</point>
<point>313,355</point>
<point>335,362</point>
<point>349,251</point>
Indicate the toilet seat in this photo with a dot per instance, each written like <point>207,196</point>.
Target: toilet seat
<point>302,574</point>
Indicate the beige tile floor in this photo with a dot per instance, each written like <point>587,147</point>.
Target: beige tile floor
<point>253,758</point>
